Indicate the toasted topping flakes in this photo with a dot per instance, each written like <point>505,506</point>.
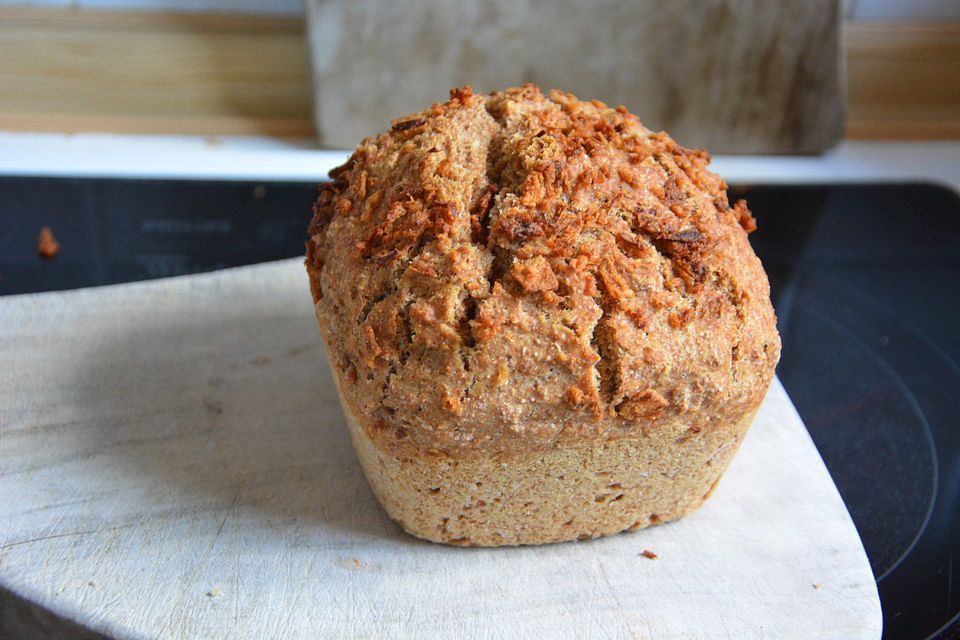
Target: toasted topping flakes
<point>543,259</point>
<point>646,404</point>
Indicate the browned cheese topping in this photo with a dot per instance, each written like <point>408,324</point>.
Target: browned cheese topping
<point>513,271</point>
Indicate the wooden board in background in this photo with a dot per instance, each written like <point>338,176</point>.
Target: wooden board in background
<point>225,75</point>
<point>733,76</point>
<point>174,463</point>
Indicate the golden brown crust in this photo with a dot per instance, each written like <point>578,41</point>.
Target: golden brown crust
<point>513,272</point>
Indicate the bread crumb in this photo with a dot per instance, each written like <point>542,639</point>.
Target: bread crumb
<point>452,404</point>
<point>574,395</point>
<point>534,274</point>
<point>214,593</point>
<point>817,586</point>
<point>744,217</point>
<point>646,404</point>
<point>649,554</point>
<point>502,375</point>
<point>355,564</point>
<point>47,245</point>
<point>91,584</point>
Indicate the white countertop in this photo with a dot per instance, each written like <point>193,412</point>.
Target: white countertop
<point>261,158</point>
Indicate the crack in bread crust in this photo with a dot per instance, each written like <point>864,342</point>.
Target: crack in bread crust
<point>516,271</point>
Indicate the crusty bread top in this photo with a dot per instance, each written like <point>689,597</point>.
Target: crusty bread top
<point>514,271</point>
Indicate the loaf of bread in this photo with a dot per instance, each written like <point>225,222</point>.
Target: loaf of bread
<point>545,321</point>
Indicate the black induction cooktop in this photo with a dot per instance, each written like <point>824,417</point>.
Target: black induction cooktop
<point>866,283</point>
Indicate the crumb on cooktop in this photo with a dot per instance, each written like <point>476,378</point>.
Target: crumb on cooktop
<point>649,554</point>
<point>214,593</point>
<point>817,586</point>
<point>47,245</point>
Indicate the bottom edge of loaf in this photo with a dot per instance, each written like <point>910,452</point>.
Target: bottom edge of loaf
<point>572,493</point>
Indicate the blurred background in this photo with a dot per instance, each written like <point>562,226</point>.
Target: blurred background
<point>734,76</point>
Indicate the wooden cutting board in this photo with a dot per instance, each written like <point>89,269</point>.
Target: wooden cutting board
<point>734,76</point>
<point>173,463</point>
